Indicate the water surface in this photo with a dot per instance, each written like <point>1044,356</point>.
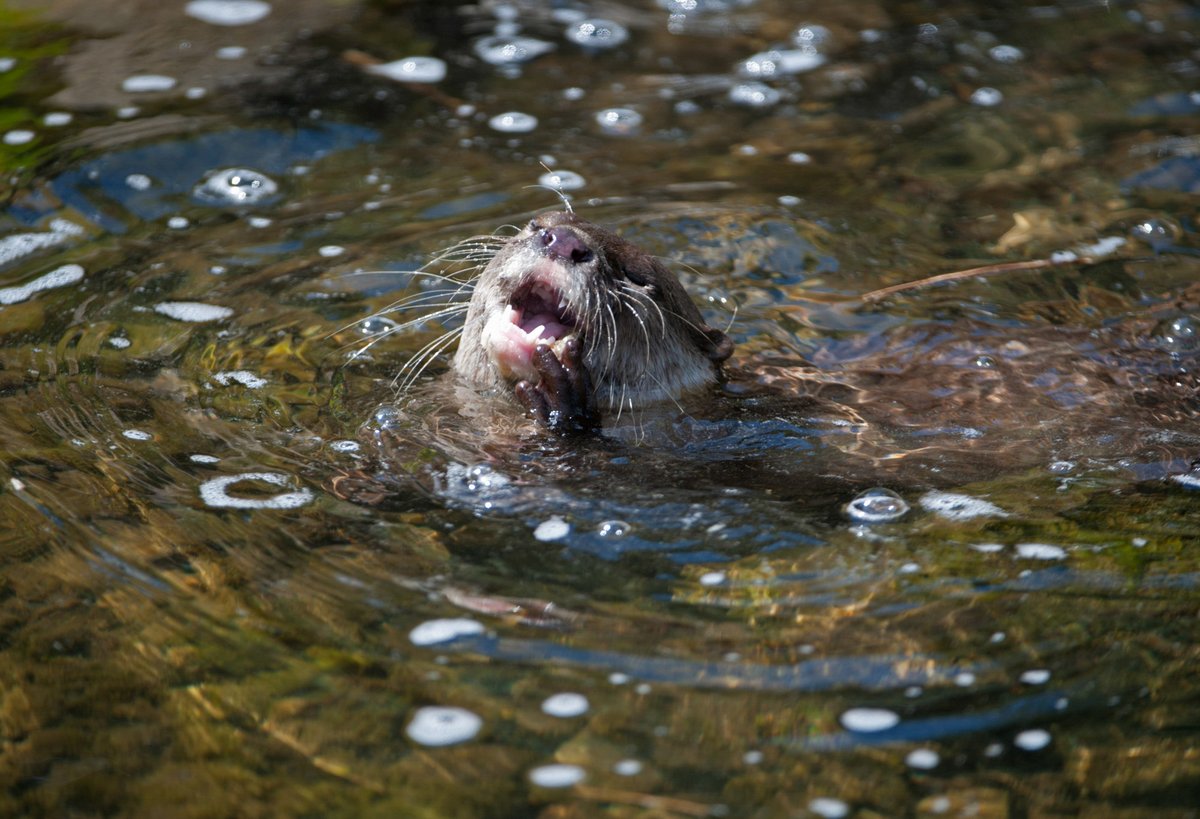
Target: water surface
<point>223,594</point>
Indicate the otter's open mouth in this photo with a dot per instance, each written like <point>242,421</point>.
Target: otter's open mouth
<point>538,313</point>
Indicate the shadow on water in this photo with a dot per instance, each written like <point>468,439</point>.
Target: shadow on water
<point>931,554</point>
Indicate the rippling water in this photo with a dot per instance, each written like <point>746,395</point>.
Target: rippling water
<point>929,551</point>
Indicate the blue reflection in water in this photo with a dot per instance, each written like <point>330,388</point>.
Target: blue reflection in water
<point>98,189</point>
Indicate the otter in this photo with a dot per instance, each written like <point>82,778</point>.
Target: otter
<point>576,321</point>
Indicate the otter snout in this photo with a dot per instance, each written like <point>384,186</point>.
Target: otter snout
<point>563,243</point>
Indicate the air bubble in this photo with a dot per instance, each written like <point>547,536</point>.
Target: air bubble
<point>1034,739</point>
<point>19,137</point>
<point>215,492</point>
<point>147,83</point>
<point>554,528</point>
<point>498,49</point>
<point>1006,54</point>
<point>1158,234</point>
<point>412,69</point>
<point>436,726</point>
<point>59,277</point>
<point>434,632</point>
<point>193,311</point>
<point>987,97</point>
<point>876,506</point>
<point>562,180</point>
<point>869,720</point>
<point>556,776</point>
<point>613,528</point>
<point>597,33</point>
<point>778,63</point>
<point>236,186</point>
<point>812,36</point>
<point>228,12</point>
<point>754,95</point>
<point>923,759</point>
<point>1178,335</point>
<point>566,705</point>
<point>513,122</point>
<point>829,808</point>
<point>619,121</point>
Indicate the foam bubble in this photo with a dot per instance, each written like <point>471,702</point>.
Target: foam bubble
<point>436,726</point>
<point>712,578</point>
<point>597,32</point>
<point>215,492</point>
<point>556,776</point>
<point>627,767</point>
<point>779,63</point>
<point>330,251</point>
<point>613,528</point>
<point>19,136</point>
<point>147,83</point>
<point>754,95</point>
<point>236,186</point>
<point>243,377</point>
<point>137,435</point>
<point>119,342</point>
<point>178,222</point>
<point>829,808</point>
<point>192,311</point>
<point>555,528</point>
<point>57,119</point>
<point>1006,54</point>
<point>412,69</point>
<point>7,64</point>
<point>345,446</point>
<point>1040,551</point>
<point>868,720</point>
<point>565,705</point>
<point>59,277</point>
<point>953,506</point>
<point>876,506</point>
<point>227,12</point>
<point>1035,739</point>
<point>204,459</point>
<point>22,244</point>
<point>500,49</point>
<point>513,122</point>
<point>619,121</point>
<point>923,759</point>
<point>1036,676</point>
<point>231,52</point>
<point>562,180</point>
<point>139,181</point>
<point>987,97</point>
<point>432,632</point>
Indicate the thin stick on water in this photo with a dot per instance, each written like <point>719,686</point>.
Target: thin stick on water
<point>985,270</point>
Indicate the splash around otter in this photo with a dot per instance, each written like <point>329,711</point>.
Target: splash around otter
<point>578,323</point>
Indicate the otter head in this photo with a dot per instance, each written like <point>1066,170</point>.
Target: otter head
<point>641,337</point>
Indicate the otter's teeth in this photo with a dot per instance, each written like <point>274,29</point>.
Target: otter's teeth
<point>536,332</point>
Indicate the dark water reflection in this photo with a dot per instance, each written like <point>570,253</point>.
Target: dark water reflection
<point>222,595</point>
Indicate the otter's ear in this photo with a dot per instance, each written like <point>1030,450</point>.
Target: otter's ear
<point>716,345</point>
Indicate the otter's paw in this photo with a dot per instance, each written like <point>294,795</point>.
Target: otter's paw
<point>562,399</point>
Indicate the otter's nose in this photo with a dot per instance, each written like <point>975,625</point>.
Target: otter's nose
<point>563,243</point>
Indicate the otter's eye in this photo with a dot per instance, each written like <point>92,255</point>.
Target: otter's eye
<point>533,226</point>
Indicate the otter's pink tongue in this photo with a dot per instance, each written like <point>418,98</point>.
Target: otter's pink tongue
<point>512,336</point>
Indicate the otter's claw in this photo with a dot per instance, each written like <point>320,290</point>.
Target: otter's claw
<point>562,399</point>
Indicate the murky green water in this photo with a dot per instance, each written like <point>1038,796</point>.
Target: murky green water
<point>223,594</point>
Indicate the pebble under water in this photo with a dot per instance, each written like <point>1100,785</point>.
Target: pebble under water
<point>931,549</point>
